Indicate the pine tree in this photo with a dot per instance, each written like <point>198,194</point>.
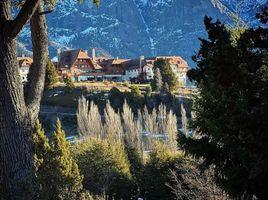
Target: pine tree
<point>231,109</point>
<point>42,155</point>
<point>51,76</point>
<point>67,180</point>
<point>167,74</point>
<point>57,175</point>
<point>157,83</point>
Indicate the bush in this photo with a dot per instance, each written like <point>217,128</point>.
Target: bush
<point>116,97</point>
<point>155,174</point>
<point>105,168</point>
<point>168,175</point>
<point>135,91</point>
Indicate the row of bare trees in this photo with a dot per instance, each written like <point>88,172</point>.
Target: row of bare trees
<point>138,131</point>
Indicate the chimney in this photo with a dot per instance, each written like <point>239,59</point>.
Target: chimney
<point>93,54</point>
<point>86,52</point>
<point>23,55</point>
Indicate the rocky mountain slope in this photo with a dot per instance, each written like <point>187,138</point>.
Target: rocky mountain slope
<point>130,28</point>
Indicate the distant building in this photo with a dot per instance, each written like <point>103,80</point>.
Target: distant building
<point>78,65</point>
<point>24,64</point>
<point>144,68</point>
<point>179,67</point>
<point>114,69</point>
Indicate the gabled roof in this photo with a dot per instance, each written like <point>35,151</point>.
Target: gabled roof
<point>82,55</point>
<point>110,62</point>
<point>73,55</point>
<point>95,64</point>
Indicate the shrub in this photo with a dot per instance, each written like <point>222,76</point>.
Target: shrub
<point>105,168</point>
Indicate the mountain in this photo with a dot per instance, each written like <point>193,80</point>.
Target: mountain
<point>130,28</point>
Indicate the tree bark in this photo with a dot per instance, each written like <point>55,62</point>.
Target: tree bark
<point>40,58</point>
<point>15,146</point>
<point>17,116</point>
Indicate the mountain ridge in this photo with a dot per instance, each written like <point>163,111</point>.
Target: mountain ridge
<point>130,28</point>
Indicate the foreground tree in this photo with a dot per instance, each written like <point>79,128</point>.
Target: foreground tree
<point>57,175</point>
<point>231,109</point>
<point>18,114</point>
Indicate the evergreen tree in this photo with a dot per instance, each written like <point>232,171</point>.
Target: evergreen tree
<point>68,82</point>
<point>231,110</point>
<point>135,91</point>
<point>51,76</point>
<point>167,74</point>
<point>157,83</point>
<point>116,97</point>
<point>105,167</point>
<point>155,174</point>
<point>42,155</point>
<point>57,175</point>
<point>148,90</point>
<point>67,180</point>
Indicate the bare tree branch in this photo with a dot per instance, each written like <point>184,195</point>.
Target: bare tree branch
<point>25,14</point>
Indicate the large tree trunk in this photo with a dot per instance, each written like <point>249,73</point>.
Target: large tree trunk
<point>18,116</point>
<point>15,145</point>
<point>40,58</point>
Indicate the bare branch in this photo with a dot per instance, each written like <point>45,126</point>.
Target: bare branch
<point>25,14</point>
<point>46,12</point>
